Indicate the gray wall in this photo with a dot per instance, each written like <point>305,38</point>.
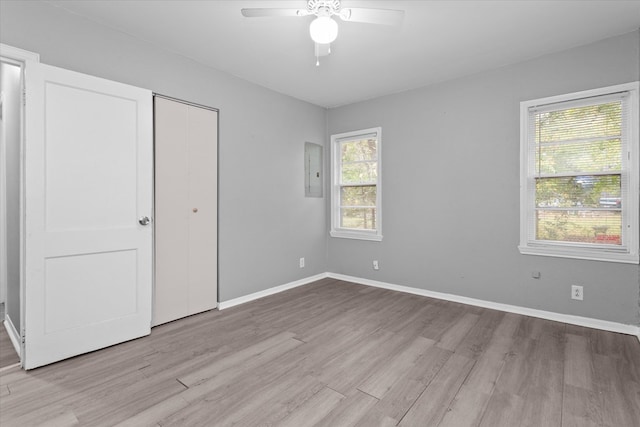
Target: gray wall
<point>265,222</point>
<point>450,174</point>
<point>10,78</point>
<point>451,188</point>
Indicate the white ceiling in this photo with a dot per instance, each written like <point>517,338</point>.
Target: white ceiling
<point>437,40</point>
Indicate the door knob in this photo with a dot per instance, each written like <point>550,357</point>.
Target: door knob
<point>144,220</point>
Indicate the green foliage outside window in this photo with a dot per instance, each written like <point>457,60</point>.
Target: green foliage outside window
<point>578,174</point>
<point>359,172</point>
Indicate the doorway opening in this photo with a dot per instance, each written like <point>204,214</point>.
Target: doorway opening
<point>11,93</point>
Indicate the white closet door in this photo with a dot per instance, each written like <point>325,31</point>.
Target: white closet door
<point>171,211</point>
<point>203,218</point>
<point>88,181</point>
<point>186,210</point>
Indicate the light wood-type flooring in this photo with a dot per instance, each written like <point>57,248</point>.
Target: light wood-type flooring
<point>333,353</point>
<point>8,355</point>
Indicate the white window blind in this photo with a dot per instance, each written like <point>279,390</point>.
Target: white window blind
<point>579,175</point>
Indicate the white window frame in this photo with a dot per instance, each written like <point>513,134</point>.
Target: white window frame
<point>628,251</point>
<point>351,233</point>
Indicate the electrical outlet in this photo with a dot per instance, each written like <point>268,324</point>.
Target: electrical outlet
<point>577,292</point>
<point>301,262</point>
<point>375,264</point>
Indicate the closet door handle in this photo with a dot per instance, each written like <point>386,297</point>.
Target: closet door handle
<point>144,220</point>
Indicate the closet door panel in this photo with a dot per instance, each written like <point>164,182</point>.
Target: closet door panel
<point>171,211</point>
<point>203,134</point>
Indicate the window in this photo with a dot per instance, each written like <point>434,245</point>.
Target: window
<point>579,175</point>
<point>355,185</point>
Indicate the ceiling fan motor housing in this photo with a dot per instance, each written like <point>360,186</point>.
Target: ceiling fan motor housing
<point>330,7</point>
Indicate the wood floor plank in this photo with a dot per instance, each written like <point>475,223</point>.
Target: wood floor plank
<point>233,391</point>
<point>353,373</point>
<point>578,364</point>
<point>8,355</point>
<point>543,401</point>
<point>234,399</point>
<point>375,418</point>
<point>383,379</point>
<point>404,392</point>
<point>433,403</point>
<point>349,411</point>
<point>279,403</point>
<point>621,405</point>
<point>504,410</point>
<point>236,358</point>
<point>117,395</point>
<point>396,312</point>
<point>580,407</point>
<point>28,392</point>
<point>273,403</point>
<point>473,397</point>
<point>126,402</point>
<point>543,393</point>
<point>220,379</point>
<point>479,337</point>
<point>51,415</point>
<point>518,370</point>
<point>456,332</point>
<point>4,391</point>
<point>335,353</point>
<point>314,409</point>
<point>150,416</point>
<point>351,311</point>
<point>443,318</point>
<point>413,320</point>
<point>503,335</point>
<point>413,323</point>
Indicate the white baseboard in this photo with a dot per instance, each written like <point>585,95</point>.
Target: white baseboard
<point>14,336</point>
<point>548,315</point>
<point>277,289</point>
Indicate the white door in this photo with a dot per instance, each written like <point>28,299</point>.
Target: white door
<point>88,184</point>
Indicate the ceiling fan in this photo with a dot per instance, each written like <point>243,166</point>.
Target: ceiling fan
<point>324,29</point>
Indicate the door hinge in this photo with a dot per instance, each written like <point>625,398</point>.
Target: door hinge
<point>24,96</point>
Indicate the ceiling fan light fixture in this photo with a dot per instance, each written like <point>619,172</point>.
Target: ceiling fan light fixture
<point>323,30</point>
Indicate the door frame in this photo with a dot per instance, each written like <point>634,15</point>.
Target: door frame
<point>3,201</point>
<point>20,57</point>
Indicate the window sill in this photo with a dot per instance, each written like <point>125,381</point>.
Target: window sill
<point>358,235</point>
<point>579,253</point>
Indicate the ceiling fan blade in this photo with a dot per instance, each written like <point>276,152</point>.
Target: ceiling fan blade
<point>322,49</point>
<point>372,16</point>
<point>269,12</point>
